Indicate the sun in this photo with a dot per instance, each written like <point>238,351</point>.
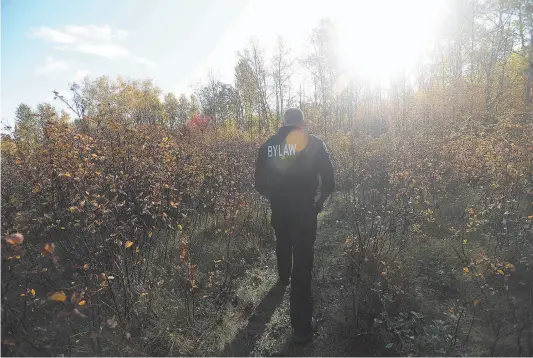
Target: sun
<point>380,39</point>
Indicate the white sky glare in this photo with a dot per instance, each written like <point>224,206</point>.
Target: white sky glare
<point>376,38</point>
<point>177,43</point>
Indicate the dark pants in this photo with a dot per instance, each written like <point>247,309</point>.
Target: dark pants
<point>295,237</point>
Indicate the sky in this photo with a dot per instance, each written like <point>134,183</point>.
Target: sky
<point>45,45</point>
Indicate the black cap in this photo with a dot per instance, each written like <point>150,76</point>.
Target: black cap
<point>292,117</point>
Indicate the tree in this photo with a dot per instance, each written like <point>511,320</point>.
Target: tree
<point>218,100</point>
<point>246,92</point>
<point>194,106</point>
<point>184,109</point>
<point>172,110</point>
<point>133,102</point>
<point>24,115</point>
<point>281,75</point>
<point>256,74</point>
<point>524,27</point>
<point>322,64</point>
<point>28,125</point>
<point>150,110</point>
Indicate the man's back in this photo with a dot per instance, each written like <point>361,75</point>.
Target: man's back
<point>290,166</point>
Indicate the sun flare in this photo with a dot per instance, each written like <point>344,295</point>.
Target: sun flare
<point>379,39</point>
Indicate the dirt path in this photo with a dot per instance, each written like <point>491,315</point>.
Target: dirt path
<point>268,331</point>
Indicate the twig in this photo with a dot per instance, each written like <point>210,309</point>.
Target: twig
<point>493,349</point>
<point>456,331</point>
<point>470,328</point>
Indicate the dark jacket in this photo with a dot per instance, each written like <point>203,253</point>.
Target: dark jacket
<point>293,170</point>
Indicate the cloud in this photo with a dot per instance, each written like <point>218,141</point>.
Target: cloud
<point>103,41</point>
<point>109,51</point>
<point>80,75</point>
<point>52,35</point>
<point>71,34</point>
<point>144,61</point>
<point>52,65</point>
<point>100,33</point>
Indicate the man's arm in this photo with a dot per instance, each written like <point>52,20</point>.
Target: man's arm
<point>325,170</point>
<point>261,176</point>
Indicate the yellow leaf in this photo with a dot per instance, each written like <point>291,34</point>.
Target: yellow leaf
<point>466,270</point>
<point>82,303</point>
<point>180,227</point>
<point>72,209</point>
<point>150,234</point>
<point>58,296</point>
<point>94,155</point>
<point>501,272</point>
<point>32,292</point>
<point>22,295</point>
<point>165,186</point>
<point>86,266</point>
<point>35,189</point>
<point>137,250</point>
<point>128,244</point>
<point>510,267</point>
<point>476,302</point>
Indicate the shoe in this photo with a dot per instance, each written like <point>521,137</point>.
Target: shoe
<point>304,338</point>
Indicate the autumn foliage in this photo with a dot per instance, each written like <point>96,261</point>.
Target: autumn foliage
<point>97,206</point>
<point>129,223</point>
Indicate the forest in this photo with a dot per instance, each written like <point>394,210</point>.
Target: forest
<point>131,226</point>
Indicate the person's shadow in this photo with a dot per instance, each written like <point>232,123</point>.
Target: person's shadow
<point>244,342</point>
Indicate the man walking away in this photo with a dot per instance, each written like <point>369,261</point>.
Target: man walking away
<point>294,172</point>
